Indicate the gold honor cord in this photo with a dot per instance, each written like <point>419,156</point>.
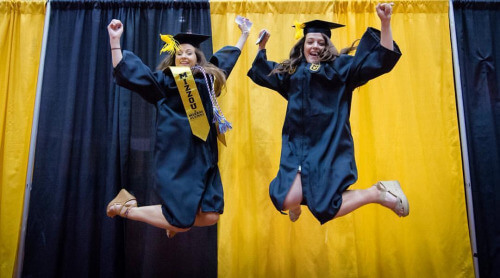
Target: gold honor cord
<point>191,101</point>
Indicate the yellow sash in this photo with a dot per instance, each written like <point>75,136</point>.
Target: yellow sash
<point>191,101</point>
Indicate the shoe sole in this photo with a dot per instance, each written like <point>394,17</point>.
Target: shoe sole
<point>395,188</point>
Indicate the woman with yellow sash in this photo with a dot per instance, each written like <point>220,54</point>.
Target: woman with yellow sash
<point>189,121</point>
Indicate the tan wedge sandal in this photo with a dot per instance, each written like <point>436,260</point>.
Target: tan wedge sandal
<point>394,188</point>
<point>170,234</point>
<point>294,214</point>
<point>123,199</point>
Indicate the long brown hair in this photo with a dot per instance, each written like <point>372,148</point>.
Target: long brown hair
<point>329,53</point>
<point>220,77</point>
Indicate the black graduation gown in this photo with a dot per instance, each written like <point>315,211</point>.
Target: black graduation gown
<point>316,133</point>
<point>187,176</point>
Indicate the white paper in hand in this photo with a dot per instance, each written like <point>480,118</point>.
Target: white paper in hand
<point>261,37</point>
<point>239,20</point>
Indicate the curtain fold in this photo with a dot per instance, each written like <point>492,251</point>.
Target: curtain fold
<point>478,46</point>
<point>404,126</point>
<point>95,138</point>
<point>21,30</point>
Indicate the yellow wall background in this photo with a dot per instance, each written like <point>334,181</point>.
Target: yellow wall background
<point>21,30</point>
<point>404,126</point>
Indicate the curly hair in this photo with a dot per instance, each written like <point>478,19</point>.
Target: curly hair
<point>220,76</point>
<point>329,53</point>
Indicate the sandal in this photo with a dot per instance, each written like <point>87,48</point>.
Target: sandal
<point>170,234</point>
<point>294,216</point>
<point>122,199</point>
<point>394,188</point>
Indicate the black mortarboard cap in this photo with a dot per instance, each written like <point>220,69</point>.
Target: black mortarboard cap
<point>193,39</point>
<point>320,26</point>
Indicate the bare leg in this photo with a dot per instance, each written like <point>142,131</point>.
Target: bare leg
<point>354,199</point>
<point>294,198</point>
<point>202,219</point>
<point>206,219</point>
<point>152,215</point>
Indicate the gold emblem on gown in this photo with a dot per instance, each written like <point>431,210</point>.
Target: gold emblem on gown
<point>315,67</point>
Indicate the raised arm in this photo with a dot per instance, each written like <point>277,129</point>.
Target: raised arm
<point>245,30</point>
<point>384,12</point>
<point>115,31</point>
<point>261,69</point>
<point>263,41</point>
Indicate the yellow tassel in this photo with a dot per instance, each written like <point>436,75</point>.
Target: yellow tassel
<point>171,45</point>
<point>299,29</point>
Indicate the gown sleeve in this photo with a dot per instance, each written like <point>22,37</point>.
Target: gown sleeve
<point>371,59</point>
<point>226,58</point>
<point>131,73</point>
<point>259,73</point>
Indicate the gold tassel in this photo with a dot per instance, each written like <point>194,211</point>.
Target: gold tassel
<point>299,29</point>
<point>171,45</point>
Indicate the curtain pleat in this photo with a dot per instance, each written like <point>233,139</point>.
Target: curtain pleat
<point>478,45</point>
<point>404,126</point>
<point>95,138</point>
<point>21,30</point>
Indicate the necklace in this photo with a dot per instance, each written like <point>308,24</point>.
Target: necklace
<point>222,124</point>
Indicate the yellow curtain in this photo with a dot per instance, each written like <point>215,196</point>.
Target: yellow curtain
<point>404,126</point>
<point>21,30</point>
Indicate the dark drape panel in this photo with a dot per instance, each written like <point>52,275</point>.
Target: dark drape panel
<point>477,24</point>
<point>95,138</point>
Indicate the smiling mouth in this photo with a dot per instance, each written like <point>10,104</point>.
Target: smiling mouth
<point>314,57</point>
<point>314,54</point>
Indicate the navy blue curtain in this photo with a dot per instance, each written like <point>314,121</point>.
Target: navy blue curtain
<point>95,138</point>
<point>477,24</point>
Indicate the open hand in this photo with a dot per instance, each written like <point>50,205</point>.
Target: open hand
<point>244,26</point>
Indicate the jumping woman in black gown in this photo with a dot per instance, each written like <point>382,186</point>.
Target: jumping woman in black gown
<point>317,157</point>
<point>187,178</point>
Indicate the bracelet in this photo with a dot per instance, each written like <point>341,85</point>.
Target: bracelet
<point>115,48</point>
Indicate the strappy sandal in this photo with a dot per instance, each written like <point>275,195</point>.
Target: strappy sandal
<point>123,199</point>
<point>294,216</point>
<point>394,188</point>
<point>170,234</point>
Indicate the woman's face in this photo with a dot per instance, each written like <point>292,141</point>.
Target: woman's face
<point>313,45</point>
<point>185,56</point>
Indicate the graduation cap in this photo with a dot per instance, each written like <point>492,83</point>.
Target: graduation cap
<point>193,39</point>
<point>172,42</point>
<point>315,26</point>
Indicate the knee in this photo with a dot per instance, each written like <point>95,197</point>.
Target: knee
<point>208,218</point>
<point>212,218</point>
<point>292,200</point>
